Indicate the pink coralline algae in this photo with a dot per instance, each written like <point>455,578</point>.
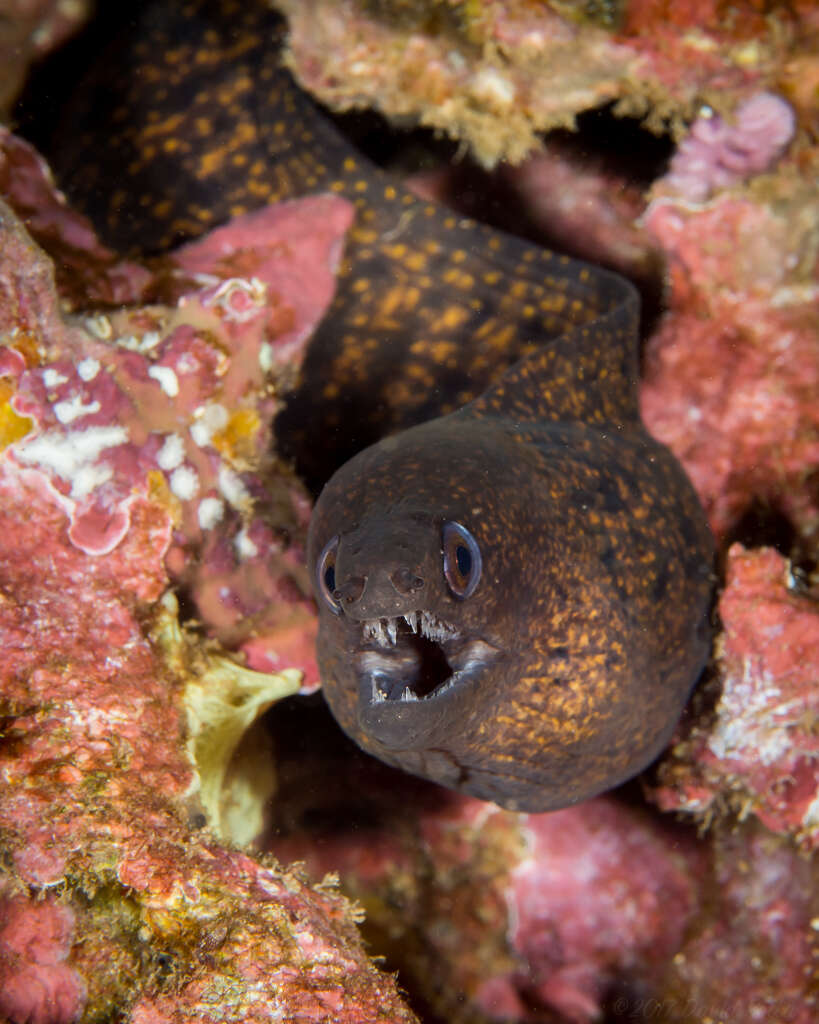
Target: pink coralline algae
<point>151,919</point>
<point>758,749</point>
<point>129,439</point>
<point>596,912</point>
<point>177,398</point>
<point>718,153</point>
<point>582,919</point>
<point>731,378</point>
<point>498,916</point>
<point>35,940</point>
<point>751,954</point>
<point>732,374</point>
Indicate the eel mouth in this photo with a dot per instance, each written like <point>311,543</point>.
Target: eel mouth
<point>417,657</point>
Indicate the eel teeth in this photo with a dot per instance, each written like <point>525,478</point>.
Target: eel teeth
<point>434,629</point>
<point>378,695</point>
<point>374,630</point>
<point>384,632</point>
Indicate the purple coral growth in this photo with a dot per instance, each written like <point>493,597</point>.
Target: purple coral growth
<point>717,154</point>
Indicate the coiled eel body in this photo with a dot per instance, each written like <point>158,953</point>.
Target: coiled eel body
<point>514,580</point>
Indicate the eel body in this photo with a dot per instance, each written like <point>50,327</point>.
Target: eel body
<point>513,581</point>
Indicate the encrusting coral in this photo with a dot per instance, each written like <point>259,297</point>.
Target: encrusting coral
<point>496,74</point>
<point>177,393</point>
<point>98,799</point>
<point>758,750</point>
<point>599,911</point>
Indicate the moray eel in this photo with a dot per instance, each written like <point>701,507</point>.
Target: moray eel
<point>513,581</point>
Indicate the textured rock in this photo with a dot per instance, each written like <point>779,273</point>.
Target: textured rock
<point>178,395</point>
<point>98,798</point>
<point>490,915</point>
<point>732,374</point>
<point>757,750</point>
<point>751,955</point>
<point>600,911</point>
<point>495,74</point>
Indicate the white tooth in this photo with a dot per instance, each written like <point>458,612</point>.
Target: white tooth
<point>392,629</point>
<point>411,619</point>
<point>376,631</point>
<point>433,628</point>
<point>408,694</point>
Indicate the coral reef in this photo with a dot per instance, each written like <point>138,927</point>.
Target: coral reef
<point>758,751</point>
<point>179,393</point>
<point>35,940</point>
<point>491,915</point>
<point>595,912</point>
<point>751,955</point>
<point>97,797</point>
<point>733,371</point>
<point>496,74</point>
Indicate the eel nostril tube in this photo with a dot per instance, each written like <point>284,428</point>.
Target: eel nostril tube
<point>406,581</point>
<point>350,591</point>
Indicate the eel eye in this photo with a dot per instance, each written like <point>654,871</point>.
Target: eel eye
<point>462,559</point>
<point>326,574</point>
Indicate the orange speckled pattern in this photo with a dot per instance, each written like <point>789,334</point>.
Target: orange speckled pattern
<point>565,670</point>
<point>188,119</point>
<point>574,656</point>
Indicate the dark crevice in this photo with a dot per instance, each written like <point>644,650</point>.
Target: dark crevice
<point>433,668</point>
<point>762,525</point>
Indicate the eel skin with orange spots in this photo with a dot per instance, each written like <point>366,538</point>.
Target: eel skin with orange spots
<point>514,578</point>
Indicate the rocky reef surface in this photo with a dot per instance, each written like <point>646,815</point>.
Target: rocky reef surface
<point>497,74</point>
<point>135,460</point>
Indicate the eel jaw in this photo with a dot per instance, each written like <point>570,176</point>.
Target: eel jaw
<point>415,659</point>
